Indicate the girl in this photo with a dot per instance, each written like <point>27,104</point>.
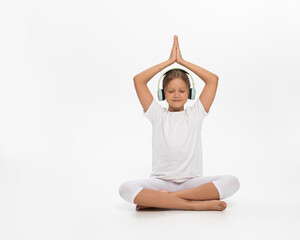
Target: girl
<point>176,180</point>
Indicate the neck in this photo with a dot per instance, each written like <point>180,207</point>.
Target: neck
<point>176,110</point>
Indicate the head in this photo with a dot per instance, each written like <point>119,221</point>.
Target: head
<point>176,86</point>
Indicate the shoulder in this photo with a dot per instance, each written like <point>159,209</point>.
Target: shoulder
<point>197,109</point>
<point>153,111</point>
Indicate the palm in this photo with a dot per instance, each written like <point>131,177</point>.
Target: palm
<point>175,53</point>
<point>178,53</point>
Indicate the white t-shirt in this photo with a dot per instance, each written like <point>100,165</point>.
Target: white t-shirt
<point>176,141</point>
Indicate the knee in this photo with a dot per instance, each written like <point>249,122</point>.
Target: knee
<point>229,185</point>
<point>234,183</point>
<point>128,190</point>
<point>123,189</point>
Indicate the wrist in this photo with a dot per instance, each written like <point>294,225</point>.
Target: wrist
<point>170,61</point>
<point>181,62</point>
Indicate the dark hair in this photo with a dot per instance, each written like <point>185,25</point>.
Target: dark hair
<point>176,73</point>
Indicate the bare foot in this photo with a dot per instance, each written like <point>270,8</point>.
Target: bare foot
<point>209,205</point>
<point>140,207</point>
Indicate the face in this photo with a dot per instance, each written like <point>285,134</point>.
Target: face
<point>176,90</point>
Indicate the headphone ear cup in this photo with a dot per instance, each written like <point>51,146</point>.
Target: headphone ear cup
<point>160,94</point>
<point>193,93</point>
<point>163,94</point>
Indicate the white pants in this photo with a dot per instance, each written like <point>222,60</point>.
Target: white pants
<point>227,185</point>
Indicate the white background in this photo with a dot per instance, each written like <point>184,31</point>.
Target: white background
<point>72,129</point>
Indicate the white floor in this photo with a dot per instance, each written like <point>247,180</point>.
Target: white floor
<point>43,202</point>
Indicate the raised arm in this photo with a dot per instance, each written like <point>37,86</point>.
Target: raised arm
<point>208,93</point>
<point>140,83</point>
<point>141,79</point>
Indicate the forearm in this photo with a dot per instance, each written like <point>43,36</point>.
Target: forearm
<point>149,73</point>
<point>202,73</point>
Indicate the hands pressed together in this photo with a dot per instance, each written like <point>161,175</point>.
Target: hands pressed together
<point>175,52</point>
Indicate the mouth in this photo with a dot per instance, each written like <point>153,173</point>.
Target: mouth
<point>176,100</point>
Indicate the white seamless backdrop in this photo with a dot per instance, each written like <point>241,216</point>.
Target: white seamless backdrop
<point>72,129</point>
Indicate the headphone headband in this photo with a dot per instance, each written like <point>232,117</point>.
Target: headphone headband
<point>173,69</point>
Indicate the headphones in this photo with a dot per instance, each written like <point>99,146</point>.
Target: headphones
<point>161,94</point>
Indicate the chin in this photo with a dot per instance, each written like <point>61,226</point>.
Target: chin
<point>176,106</point>
<point>174,103</point>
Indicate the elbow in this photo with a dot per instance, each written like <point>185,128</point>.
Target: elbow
<point>215,79</point>
<point>135,77</point>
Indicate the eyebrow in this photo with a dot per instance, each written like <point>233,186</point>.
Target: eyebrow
<point>173,88</point>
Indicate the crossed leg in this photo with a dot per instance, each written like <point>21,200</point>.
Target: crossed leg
<point>203,193</point>
<point>198,193</point>
<point>206,191</point>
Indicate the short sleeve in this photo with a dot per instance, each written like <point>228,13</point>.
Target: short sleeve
<point>153,111</point>
<point>199,110</point>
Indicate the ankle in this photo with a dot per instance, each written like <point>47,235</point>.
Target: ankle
<point>192,204</point>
